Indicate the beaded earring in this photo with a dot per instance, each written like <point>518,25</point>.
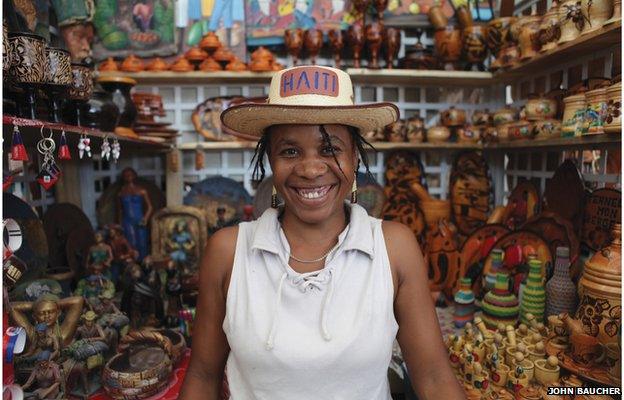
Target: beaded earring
<point>354,191</point>
<point>273,197</point>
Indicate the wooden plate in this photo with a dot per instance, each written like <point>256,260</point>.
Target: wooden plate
<point>556,230</point>
<point>470,192</point>
<point>522,204</point>
<point>59,221</point>
<point>476,249</point>
<point>522,238</point>
<point>603,209</point>
<point>565,194</point>
<point>34,249</point>
<point>597,373</point>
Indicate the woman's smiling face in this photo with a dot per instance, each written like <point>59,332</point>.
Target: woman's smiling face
<point>305,172</point>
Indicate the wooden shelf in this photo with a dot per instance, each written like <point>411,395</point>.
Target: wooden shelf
<point>420,77</point>
<point>194,77</point>
<point>605,140</point>
<point>358,75</point>
<point>581,46</point>
<point>31,134</point>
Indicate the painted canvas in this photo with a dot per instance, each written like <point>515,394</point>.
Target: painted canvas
<point>141,27</point>
<point>195,18</point>
<point>266,20</point>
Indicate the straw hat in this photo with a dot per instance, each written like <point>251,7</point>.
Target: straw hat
<point>89,316</point>
<point>307,95</point>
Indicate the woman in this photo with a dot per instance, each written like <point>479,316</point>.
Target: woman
<point>305,302</point>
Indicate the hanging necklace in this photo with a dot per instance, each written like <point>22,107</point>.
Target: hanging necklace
<point>324,256</point>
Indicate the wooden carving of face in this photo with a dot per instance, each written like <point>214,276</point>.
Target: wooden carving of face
<point>311,181</point>
<point>78,38</point>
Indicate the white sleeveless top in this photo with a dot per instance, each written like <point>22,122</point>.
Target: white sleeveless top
<point>321,335</point>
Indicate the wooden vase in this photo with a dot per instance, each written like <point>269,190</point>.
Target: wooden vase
<point>336,44</point>
<point>498,33</point>
<point>597,12</point>
<point>356,37</point>
<point>596,112</point>
<point>601,282</point>
<point>528,40</point>
<point>374,39</point>
<point>573,115</point>
<point>448,45</point>
<point>572,20</point>
<point>391,45</point>
<point>313,41</point>
<point>549,30</point>
<point>293,39</point>
<point>475,46</point>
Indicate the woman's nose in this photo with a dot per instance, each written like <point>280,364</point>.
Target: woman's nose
<point>311,168</point>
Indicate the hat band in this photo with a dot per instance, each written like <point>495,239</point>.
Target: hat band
<point>309,80</point>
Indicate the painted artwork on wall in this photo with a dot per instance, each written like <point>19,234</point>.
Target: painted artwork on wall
<point>195,18</point>
<point>266,20</point>
<point>141,27</point>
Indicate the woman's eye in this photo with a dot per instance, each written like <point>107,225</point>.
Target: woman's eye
<point>330,150</point>
<point>289,152</point>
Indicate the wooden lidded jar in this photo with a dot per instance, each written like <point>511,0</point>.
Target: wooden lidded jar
<point>600,307</point>
<point>597,12</point>
<point>596,111</point>
<point>529,37</point>
<point>613,120</point>
<point>549,31</point>
<point>569,29</point>
<point>573,115</point>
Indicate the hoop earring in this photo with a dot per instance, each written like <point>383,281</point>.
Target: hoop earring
<point>354,191</point>
<point>273,197</point>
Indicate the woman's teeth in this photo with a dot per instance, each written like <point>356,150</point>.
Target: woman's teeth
<point>314,193</point>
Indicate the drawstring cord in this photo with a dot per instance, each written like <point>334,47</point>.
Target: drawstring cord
<point>304,282</point>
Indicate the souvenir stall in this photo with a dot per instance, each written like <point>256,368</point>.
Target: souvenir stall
<point>506,165</point>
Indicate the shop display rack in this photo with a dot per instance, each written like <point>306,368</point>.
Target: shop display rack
<point>31,134</point>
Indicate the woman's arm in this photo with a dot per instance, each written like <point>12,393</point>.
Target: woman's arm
<point>210,347</point>
<point>419,332</point>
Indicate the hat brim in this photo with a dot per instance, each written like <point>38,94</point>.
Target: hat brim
<point>249,121</point>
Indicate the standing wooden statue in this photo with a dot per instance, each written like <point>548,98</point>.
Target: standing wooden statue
<point>134,209</point>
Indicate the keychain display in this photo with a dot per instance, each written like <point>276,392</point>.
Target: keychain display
<point>63,153</point>
<point>116,150</point>
<point>18,150</point>
<point>49,173</point>
<point>105,152</point>
<point>84,146</point>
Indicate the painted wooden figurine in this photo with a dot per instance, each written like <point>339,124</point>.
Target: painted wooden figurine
<point>134,210</point>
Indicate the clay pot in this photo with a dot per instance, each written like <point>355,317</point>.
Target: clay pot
<point>195,55</point>
<point>415,129</point>
<point>468,134</point>
<point>596,112</point>
<point>313,41</point>
<point>520,130</point>
<point>236,65</point>
<point>481,118</point>
<point>275,66</point>
<point>509,56</point>
<point>573,115</point>
<point>418,57</point>
<point>503,115</point>
<point>374,39</point>
<point>157,65</point>
<point>601,287</point>
<point>132,64</point>
<point>395,132</point>
<point>538,108</point>
<point>528,40</point>
<point>453,117</point>
<point>498,33</point>
<point>597,12</point>
<point>210,42</point>
<point>438,134</point>
<point>263,54</point>
<point>437,17</point>
<point>100,111</point>
<point>572,20</point>
<point>262,65</point>
<point>613,119</point>
<point>209,65</point>
<point>181,65</point>
<point>391,45</point>
<point>546,129</point>
<point>549,30</point>
<point>108,65</point>
<point>223,55</point>
<point>474,45</point>
<point>448,45</point>
<point>119,87</point>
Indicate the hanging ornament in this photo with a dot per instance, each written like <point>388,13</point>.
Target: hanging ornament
<point>18,150</point>
<point>106,149</point>
<point>49,173</point>
<point>84,146</point>
<point>116,150</point>
<point>63,153</point>
<point>199,159</point>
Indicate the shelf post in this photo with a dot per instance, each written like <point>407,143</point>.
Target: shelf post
<point>174,180</point>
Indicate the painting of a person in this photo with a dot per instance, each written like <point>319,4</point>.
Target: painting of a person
<point>134,209</point>
<point>180,245</point>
